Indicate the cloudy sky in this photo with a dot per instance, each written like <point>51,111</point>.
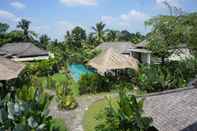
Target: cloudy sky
<point>55,17</point>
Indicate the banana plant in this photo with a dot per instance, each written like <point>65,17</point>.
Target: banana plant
<point>128,116</point>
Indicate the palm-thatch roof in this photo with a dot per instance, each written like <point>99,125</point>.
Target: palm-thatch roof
<point>21,50</point>
<point>120,47</point>
<point>174,110</point>
<point>110,60</point>
<point>9,69</point>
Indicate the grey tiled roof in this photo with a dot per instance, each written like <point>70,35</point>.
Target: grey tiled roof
<point>120,47</point>
<point>173,111</point>
<point>22,49</point>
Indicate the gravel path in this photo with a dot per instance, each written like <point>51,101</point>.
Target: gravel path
<point>73,119</point>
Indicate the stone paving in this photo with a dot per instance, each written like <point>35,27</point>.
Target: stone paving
<point>74,118</point>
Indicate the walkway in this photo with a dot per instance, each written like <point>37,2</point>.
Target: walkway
<point>74,118</point>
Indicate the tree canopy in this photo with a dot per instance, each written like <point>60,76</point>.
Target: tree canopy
<point>44,41</point>
<point>24,26</point>
<point>170,32</point>
<point>3,28</point>
<point>99,31</point>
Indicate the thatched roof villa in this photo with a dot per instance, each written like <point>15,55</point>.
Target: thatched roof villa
<point>23,51</point>
<point>112,60</point>
<point>127,48</point>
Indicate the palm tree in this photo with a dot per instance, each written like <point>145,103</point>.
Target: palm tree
<point>112,35</point>
<point>99,31</point>
<point>44,41</point>
<point>24,25</point>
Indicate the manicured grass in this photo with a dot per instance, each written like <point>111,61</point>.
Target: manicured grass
<point>96,109</point>
<point>73,85</point>
<point>59,125</point>
<point>61,77</point>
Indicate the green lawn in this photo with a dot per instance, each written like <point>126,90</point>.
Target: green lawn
<point>96,109</point>
<point>61,77</point>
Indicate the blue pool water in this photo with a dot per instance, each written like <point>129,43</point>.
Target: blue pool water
<point>77,70</point>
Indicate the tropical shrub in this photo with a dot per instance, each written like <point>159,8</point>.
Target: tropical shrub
<point>127,116</point>
<point>169,76</point>
<point>118,76</point>
<point>25,114</point>
<point>123,84</point>
<point>65,97</point>
<point>158,78</point>
<point>34,74</point>
<point>188,69</point>
<point>26,93</point>
<point>67,102</point>
<point>42,68</point>
<point>93,83</point>
<point>50,83</point>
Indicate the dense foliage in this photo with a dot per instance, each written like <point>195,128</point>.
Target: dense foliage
<point>65,97</point>
<point>128,115</point>
<point>21,113</point>
<point>172,32</point>
<point>169,76</point>
<point>20,35</point>
<point>93,83</point>
<point>164,36</point>
<point>42,68</point>
<point>44,41</point>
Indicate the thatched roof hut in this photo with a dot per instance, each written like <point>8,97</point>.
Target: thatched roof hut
<point>174,110</point>
<point>111,60</point>
<point>9,69</point>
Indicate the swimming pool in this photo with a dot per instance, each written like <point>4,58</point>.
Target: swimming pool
<point>77,70</point>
